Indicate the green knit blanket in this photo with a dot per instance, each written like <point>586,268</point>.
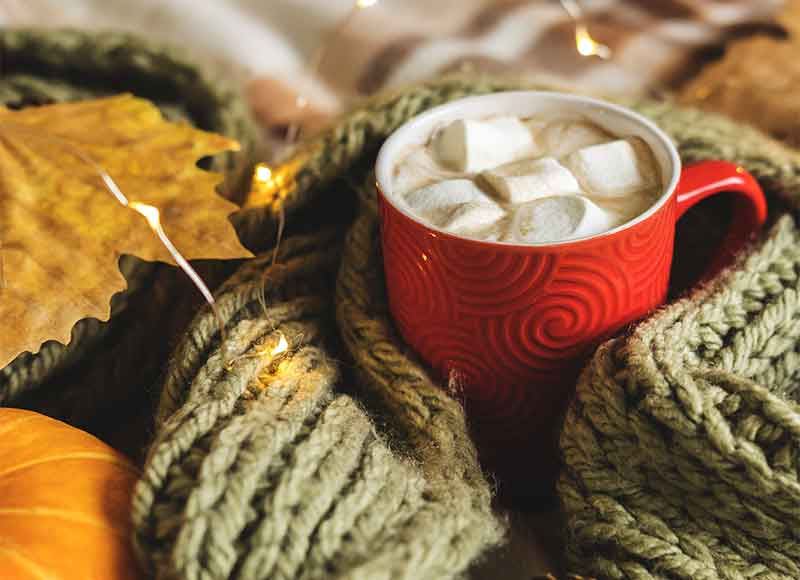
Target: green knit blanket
<point>339,457</point>
<point>681,448</point>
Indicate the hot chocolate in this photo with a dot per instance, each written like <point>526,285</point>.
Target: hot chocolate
<point>534,180</point>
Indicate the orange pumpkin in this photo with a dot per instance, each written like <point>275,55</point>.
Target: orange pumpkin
<point>64,502</point>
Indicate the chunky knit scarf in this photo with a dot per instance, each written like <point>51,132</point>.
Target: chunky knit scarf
<point>295,464</point>
<point>323,462</point>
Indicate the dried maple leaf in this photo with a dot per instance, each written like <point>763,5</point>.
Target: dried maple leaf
<point>62,232</point>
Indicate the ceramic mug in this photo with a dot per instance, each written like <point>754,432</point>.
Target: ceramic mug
<point>511,325</point>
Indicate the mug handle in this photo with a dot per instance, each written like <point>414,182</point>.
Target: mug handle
<point>707,178</point>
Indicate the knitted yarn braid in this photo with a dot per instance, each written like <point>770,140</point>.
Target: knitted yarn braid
<point>460,501</point>
<point>681,448</point>
<point>46,66</point>
<point>261,469</point>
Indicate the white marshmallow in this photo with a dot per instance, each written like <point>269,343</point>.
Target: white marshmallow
<point>455,205</point>
<point>557,218</point>
<point>472,216</point>
<point>529,179</point>
<point>560,138</point>
<point>470,146</point>
<point>428,200</point>
<point>417,170</point>
<point>613,169</point>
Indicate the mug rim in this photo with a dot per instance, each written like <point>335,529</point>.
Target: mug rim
<point>384,163</point>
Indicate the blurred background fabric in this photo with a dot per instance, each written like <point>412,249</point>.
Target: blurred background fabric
<point>267,45</point>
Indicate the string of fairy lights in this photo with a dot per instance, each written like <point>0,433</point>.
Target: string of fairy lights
<point>584,43</point>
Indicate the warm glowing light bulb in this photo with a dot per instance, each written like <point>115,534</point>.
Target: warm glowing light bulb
<point>588,46</point>
<point>281,347</point>
<point>365,3</point>
<point>263,173</point>
<point>150,213</point>
<point>270,185</point>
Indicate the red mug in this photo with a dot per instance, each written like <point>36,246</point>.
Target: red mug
<point>511,325</point>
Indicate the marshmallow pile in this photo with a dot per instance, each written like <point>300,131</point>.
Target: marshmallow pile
<point>526,180</point>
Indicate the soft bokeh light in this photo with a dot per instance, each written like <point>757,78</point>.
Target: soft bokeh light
<point>270,185</point>
<point>263,172</point>
<point>281,347</point>
<point>588,46</point>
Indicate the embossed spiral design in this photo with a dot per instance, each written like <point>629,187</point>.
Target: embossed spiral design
<point>490,281</point>
<point>585,297</point>
<point>452,353</point>
<point>646,253</point>
<point>514,324</point>
<point>417,290</point>
<point>450,350</point>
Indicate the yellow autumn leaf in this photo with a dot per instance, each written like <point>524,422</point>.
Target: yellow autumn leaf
<point>62,232</point>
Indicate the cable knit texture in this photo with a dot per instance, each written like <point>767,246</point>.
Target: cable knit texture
<point>262,470</point>
<point>328,462</point>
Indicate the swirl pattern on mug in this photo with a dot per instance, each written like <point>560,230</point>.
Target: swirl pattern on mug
<point>646,253</point>
<point>511,325</point>
<point>490,282</point>
<point>450,352</point>
<point>585,296</point>
<point>417,290</point>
